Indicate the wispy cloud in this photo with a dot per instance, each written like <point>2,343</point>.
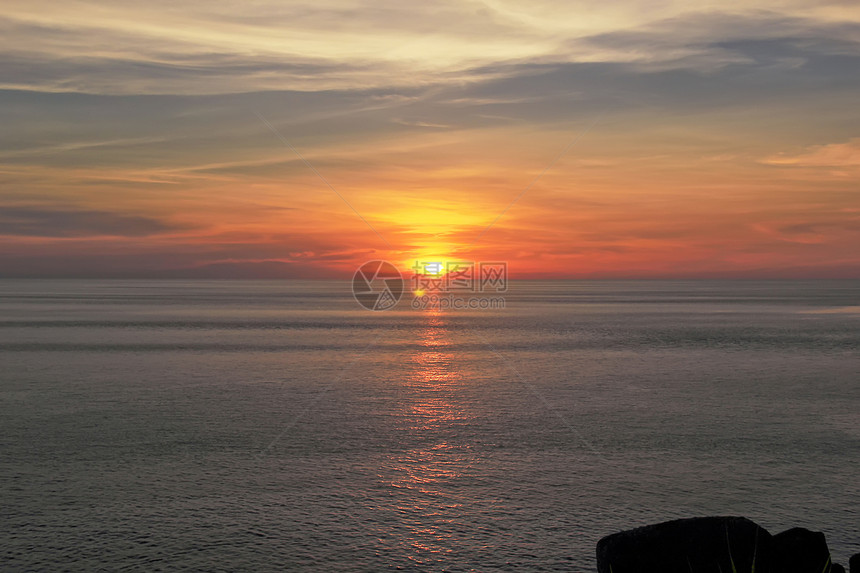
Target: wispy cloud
<point>227,47</point>
<point>845,154</point>
<point>59,222</point>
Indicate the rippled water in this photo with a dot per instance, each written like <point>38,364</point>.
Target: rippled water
<point>250,426</point>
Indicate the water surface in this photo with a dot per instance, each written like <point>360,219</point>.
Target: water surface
<point>277,425</point>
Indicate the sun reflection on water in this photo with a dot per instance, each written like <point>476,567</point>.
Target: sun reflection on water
<point>427,481</point>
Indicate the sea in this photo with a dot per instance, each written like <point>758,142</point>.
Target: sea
<point>280,426</point>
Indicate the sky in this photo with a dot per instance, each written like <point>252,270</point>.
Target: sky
<point>620,139</point>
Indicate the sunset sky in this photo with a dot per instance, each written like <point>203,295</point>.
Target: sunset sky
<point>709,139</point>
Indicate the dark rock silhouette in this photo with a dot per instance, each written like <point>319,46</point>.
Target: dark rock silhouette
<point>716,544</point>
<point>854,563</point>
<point>688,546</point>
<point>799,550</point>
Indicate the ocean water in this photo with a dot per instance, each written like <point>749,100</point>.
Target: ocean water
<point>278,426</point>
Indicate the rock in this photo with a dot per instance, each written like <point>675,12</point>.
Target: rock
<point>799,550</point>
<point>701,544</point>
<point>854,563</point>
<point>837,568</point>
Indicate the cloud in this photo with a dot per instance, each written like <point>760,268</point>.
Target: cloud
<point>58,222</point>
<point>249,270</point>
<point>59,148</point>
<point>222,47</point>
<point>229,258</point>
<point>830,155</point>
<point>156,73</point>
<point>709,40</point>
